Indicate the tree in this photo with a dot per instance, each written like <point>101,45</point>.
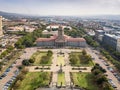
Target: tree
<point>31,60</point>
<point>96,72</point>
<point>87,58</point>
<point>84,52</point>
<point>24,71</point>
<point>49,53</point>
<point>44,59</point>
<point>25,62</point>
<point>1,66</point>
<point>27,42</point>
<point>16,85</point>
<point>10,48</point>
<point>74,59</point>
<point>101,79</point>
<point>106,86</point>
<point>18,44</point>
<point>97,66</point>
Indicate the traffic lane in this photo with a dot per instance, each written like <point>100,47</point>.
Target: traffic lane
<point>11,72</point>
<point>110,74</point>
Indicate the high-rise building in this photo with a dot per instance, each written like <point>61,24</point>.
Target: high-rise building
<point>113,41</point>
<point>1,32</point>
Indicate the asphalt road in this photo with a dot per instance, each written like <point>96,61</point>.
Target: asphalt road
<point>29,52</point>
<point>97,60</point>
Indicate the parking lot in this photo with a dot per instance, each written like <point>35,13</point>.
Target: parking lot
<point>111,73</point>
<point>10,74</point>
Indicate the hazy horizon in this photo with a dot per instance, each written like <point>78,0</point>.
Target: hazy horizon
<point>61,7</point>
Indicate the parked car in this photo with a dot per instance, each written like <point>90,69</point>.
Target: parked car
<point>3,75</point>
<point>110,68</point>
<point>112,83</point>
<point>105,63</point>
<point>0,78</point>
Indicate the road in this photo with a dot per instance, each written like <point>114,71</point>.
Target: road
<point>97,60</point>
<point>29,52</point>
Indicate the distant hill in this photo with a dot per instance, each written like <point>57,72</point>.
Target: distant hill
<point>9,15</point>
<point>13,15</point>
<point>110,17</point>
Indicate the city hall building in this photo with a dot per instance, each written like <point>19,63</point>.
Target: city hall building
<point>61,40</point>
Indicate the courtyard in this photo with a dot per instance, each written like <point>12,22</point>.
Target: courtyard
<point>60,67</point>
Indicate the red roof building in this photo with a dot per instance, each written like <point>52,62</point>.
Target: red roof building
<point>61,40</point>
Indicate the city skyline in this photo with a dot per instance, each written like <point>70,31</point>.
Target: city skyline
<point>61,7</point>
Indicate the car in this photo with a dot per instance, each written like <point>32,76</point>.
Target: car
<point>19,58</point>
<point>112,83</point>
<point>16,72</point>
<point>5,88</point>
<point>105,63</point>
<point>0,78</point>
<point>114,73</point>
<point>3,75</point>
<point>10,66</point>
<point>110,68</point>
<point>9,82</point>
<point>7,70</point>
<point>93,58</point>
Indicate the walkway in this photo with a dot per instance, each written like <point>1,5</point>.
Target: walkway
<point>55,67</point>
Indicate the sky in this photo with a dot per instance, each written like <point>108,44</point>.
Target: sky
<point>61,7</point>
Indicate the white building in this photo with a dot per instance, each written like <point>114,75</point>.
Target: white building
<point>57,26</point>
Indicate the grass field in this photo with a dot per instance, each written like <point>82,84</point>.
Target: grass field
<point>34,80</point>
<point>61,79</point>
<point>84,80</point>
<point>91,63</point>
<point>38,56</point>
<point>60,60</point>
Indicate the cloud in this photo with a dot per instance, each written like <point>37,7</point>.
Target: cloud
<point>61,7</point>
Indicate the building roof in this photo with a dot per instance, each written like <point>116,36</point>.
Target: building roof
<point>76,39</point>
<point>46,39</point>
<point>113,36</point>
<point>67,38</point>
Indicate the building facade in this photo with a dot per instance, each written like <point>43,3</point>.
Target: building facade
<point>113,41</point>
<point>99,35</point>
<point>1,32</point>
<point>61,40</point>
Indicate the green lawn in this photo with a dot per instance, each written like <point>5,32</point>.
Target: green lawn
<point>61,79</point>
<point>84,80</point>
<point>60,60</point>
<point>34,80</point>
<point>37,55</point>
<point>90,63</point>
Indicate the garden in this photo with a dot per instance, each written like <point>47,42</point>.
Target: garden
<point>32,81</point>
<point>84,80</point>
<point>42,58</point>
<point>80,59</point>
